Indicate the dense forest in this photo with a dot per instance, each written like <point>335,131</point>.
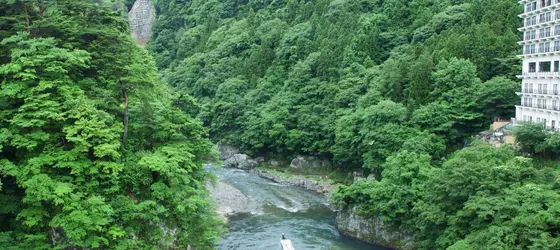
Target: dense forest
<point>102,143</point>
<point>388,87</point>
<point>95,151</point>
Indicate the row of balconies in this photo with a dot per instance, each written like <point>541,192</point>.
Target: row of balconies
<point>542,21</point>
<point>549,5</point>
<point>541,91</point>
<point>536,75</point>
<point>546,36</point>
<point>540,106</point>
<point>544,49</point>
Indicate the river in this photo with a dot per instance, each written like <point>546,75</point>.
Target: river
<point>304,216</point>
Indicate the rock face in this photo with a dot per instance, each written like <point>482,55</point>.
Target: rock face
<point>309,162</point>
<point>373,231</point>
<point>141,18</point>
<point>241,161</point>
<point>232,158</point>
<point>323,187</point>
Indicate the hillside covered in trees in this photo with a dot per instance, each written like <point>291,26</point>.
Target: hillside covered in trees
<point>388,87</point>
<point>351,80</point>
<point>95,151</point>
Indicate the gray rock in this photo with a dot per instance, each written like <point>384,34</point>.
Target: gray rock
<point>241,161</point>
<point>274,163</point>
<point>141,18</point>
<point>322,187</point>
<point>230,200</point>
<point>373,231</point>
<point>226,151</point>
<point>306,162</point>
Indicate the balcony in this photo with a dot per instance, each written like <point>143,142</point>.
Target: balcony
<point>539,75</point>
<point>539,91</point>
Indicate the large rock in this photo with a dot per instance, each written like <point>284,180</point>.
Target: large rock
<point>141,18</point>
<point>373,230</point>
<point>233,158</point>
<point>241,161</point>
<point>309,162</point>
<point>226,151</point>
<point>324,187</point>
<point>230,200</point>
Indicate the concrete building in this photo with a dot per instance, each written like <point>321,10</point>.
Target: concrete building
<point>539,94</point>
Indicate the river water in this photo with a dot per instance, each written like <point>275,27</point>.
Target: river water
<point>304,216</point>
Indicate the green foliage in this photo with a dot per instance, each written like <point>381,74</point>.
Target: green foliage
<point>69,178</point>
<point>386,87</point>
<point>481,197</point>
<point>302,69</point>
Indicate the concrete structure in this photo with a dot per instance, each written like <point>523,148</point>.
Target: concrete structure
<point>540,94</point>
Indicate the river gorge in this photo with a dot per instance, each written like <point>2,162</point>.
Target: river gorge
<point>271,209</point>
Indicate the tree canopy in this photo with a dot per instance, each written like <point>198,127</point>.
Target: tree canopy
<point>74,172</point>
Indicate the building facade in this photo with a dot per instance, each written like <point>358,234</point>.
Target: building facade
<point>540,78</point>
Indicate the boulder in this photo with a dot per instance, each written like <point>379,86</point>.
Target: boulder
<point>226,151</point>
<point>241,161</point>
<point>309,162</point>
<point>371,230</point>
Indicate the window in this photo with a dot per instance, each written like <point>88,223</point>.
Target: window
<point>545,90</point>
<point>533,6</point>
<point>556,66</point>
<point>533,20</point>
<point>544,121</point>
<point>547,47</point>
<point>528,21</point>
<point>533,48</point>
<point>525,88</point>
<point>553,124</point>
<point>538,120</point>
<point>557,45</point>
<point>541,33</point>
<point>544,66</point>
<point>547,32</point>
<point>548,16</point>
<point>541,18</point>
<point>556,30</point>
<point>540,91</point>
<point>541,47</point>
<point>528,35</point>
<point>533,34</point>
<point>555,104</point>
<point>557,14</point>
<point>532,67</point>
<point>555,89</point>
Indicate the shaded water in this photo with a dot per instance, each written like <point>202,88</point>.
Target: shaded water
<point>305,217</point>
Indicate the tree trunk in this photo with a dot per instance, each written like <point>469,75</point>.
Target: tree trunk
<point>125,132</point>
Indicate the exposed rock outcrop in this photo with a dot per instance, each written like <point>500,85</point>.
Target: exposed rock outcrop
<point>241,161</point>
<point>373,231</point>
<point>141,18</point>
<point>232,158</point>
<point>230,200</point>
<point>309,162</point>
<point>323,187</point>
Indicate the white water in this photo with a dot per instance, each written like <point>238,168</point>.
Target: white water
<point>305,217</point>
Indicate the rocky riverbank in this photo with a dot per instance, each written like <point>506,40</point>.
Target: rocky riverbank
<point>320,186</point>
<point>348,222</point>
<point>229,199</point>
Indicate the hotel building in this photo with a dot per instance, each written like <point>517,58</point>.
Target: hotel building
<point>540,78</point>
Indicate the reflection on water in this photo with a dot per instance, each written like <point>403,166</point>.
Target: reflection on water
<point>305,217</point>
